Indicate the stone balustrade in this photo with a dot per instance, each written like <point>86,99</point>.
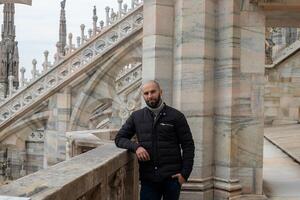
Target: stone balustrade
<point>102,173</point>
<point>70,67</point>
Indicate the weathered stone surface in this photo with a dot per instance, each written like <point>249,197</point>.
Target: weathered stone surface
<point>286,138</point>
<point>282,90</point>
<point>77,177</point>
<point>209,58</point>
<point>281,173</point>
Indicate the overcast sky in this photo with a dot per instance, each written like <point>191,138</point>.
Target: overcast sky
<point>37,25</point>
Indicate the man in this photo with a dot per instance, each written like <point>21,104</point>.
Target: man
<point>165,147</point>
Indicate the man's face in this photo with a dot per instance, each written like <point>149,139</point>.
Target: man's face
<point>151,94</point>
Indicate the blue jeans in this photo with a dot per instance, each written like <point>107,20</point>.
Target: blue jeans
<point>169,189</point>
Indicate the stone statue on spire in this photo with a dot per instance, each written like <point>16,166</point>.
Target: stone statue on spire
<point>63,4</point>
<point>94,11</point>
<point>61,44</point>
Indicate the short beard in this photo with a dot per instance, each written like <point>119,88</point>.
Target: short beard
<point>154,104</point>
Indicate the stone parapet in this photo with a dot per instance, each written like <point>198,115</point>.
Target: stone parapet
<point>106,172</point>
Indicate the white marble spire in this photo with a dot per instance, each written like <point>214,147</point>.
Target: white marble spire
<point>62,29</point>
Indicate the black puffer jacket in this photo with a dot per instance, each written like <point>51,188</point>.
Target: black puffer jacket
<point>162,138</point>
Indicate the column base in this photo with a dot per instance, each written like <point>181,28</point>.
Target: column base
<point>200,189</point>
<point>225,189</point>
<point>190,195</point>
<point>225,195</point>
<point>249,197</point>
<point>215,189</point>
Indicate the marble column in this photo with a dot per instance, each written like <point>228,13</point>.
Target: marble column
<point>216,84</point>
<point>56,127</point>
<point>238,123</point>
<point>158,44</point>
<point>194,54</point>
<point>251,100</point>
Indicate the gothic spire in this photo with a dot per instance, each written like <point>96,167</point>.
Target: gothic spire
<point>8,27</point>
<point>9,56</point>
<point>62,29</point>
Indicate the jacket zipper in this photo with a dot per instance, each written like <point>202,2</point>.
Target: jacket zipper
<point>155,142</point>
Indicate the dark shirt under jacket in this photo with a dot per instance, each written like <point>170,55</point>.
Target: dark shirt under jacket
<point>162,137</point>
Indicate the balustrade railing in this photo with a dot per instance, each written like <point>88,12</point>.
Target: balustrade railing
<point>102,173</point>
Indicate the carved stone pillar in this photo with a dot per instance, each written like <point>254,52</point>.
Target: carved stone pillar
<point>216,84</point>
<point>239,84</point>
<point>194,53</point>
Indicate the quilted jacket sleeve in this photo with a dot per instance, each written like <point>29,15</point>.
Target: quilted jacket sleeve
<point>123,138</point>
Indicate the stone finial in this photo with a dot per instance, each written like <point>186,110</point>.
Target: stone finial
<point>34,70</point>
<point>113,15</point>
<point>95,19</point>
<point>71,45</point>
<point>107,9</point>
<point>46,54</point>
<point>125,7</point>
<point>46,62</point>
<point>90,32</point>
<point>101,24</point>
<point>120,2</point>
<point>82,27</point>
<point>34,62</point>
<point>22,70</point>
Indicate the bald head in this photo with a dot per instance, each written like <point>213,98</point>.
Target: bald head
<point>152,93</point>
<point>152,83</point>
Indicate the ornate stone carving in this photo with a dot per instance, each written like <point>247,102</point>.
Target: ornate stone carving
<point>129,105</point>
<point>269,45</point>
<point>130,74</point>
<point>100,116</point>
<point>78,60</point>
<point>127,85</point>
<point>37,135</point>
<point>117,185</point>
